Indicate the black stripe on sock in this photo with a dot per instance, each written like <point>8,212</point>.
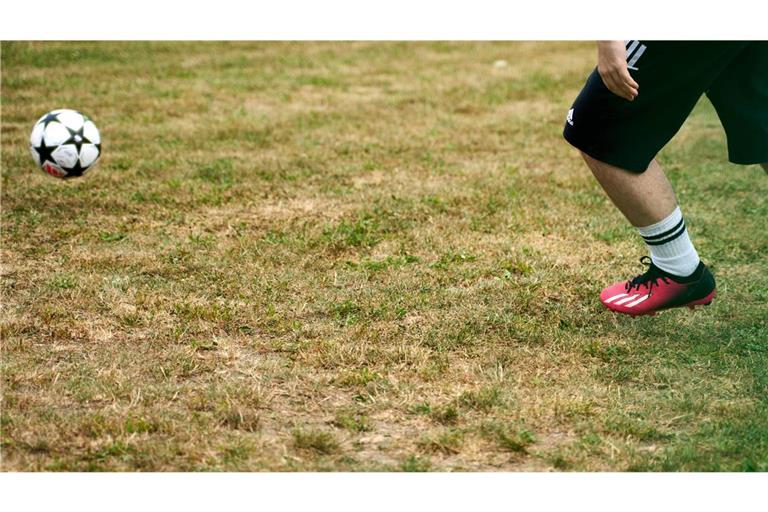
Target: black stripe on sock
<point>666,233</point>
<point>668,239</point>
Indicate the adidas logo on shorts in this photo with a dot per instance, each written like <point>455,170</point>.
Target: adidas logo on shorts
<point>569,117</point>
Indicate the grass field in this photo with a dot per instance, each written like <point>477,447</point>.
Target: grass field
<point>358,256</point>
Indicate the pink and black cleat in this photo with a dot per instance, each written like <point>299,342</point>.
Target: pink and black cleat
<point>656,290</point>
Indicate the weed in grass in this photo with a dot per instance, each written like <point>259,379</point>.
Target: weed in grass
<point>484,399</point>
<point>219,172</point>
<point>111,237</point>
<point>360,378</point>
<point>447,442</point>
<point>452,258</point>
<point>316,441</point>
<point>507,438</point>
<point>414,464</point>
<point>446,415</point>
<point>352,421</point>
<point>421,408</point>
<point>347,312</point>
<point>236,453</point>
<point>203,345</point>
<point>360,232</point>
<point>560,462</point>
<point>139,425</point>
<point>64,282</point>
<point>241,418</point>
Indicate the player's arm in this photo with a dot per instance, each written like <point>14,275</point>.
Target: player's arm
<point>612,66</point>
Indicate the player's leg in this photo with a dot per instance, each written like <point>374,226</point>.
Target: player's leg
<point>644,198</point>
<point>620,140</point>
<point>648,201</point>
<point>676,276</point>
<point>740,96</point>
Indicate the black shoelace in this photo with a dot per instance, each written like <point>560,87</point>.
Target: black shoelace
<point>649,278</point>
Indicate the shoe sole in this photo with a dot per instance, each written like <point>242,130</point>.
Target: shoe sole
<point>706,301</point>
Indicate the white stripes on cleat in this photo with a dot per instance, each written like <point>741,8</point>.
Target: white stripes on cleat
<point>627,300</point>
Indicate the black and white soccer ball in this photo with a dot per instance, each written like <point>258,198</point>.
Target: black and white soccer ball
<point>65,143</point>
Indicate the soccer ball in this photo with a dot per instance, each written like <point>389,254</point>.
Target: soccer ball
<point>65,143</point>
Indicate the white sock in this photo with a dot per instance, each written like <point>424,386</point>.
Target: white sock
<point>671,248</point>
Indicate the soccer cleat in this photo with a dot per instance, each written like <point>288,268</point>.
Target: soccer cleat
<point>656,290</point>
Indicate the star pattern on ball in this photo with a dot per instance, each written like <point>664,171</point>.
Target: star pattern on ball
<point>75,170</point>
<point>49,118</point>
<point>72,146</point>
<point>45,152</point>
<point>77,138</point>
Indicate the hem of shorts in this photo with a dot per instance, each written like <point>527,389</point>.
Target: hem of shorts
<point>748,161</point>
<point>633,167</point>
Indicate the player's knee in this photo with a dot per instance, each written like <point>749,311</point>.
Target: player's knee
<point>596,166</point>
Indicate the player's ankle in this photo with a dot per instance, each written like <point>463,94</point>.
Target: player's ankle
<point>670,246</point>
<point>686,277</point>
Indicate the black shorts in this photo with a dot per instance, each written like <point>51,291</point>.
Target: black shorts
<point>672,76</point>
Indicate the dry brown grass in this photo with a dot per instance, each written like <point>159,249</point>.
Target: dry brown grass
<point>354,256</point>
